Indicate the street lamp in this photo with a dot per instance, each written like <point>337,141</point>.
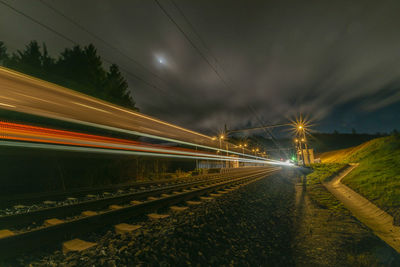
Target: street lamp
<point>221,137</point>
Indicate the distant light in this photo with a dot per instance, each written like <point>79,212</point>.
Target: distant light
<point>160,60</point>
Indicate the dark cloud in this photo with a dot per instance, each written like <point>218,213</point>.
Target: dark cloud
<point>278,57</point>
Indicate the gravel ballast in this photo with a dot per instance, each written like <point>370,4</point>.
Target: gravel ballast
<point>248,226</point>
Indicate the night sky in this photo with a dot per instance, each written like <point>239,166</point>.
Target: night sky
<point>337,61</point>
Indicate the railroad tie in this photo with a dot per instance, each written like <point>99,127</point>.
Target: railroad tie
<point>193,203</point>
<point>88,213</point>
<point>178,209</point>
<point>51,222</point>
<point>155,216</point>
<point>5,233</point>
<point>115,207</point>
<point>76,245</point>
<point>124,228</point>
<point>206,198</point>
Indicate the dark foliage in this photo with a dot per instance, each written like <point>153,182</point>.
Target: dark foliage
<point>77,68</point>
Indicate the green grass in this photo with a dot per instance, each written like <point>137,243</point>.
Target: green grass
<point>378,175</point>
<point>317,193</point>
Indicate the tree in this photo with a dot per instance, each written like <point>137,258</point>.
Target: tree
<point>3,54</point>
<point>29,60</point>
<point>353,131</point>
<point>80,69</point>
<point>47,61</point>
<point>32,61</point>
<point>116,86</point>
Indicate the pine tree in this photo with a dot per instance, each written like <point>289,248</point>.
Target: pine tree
<point>77,68</point>
<point>117,87</point>
<point>3,54</point>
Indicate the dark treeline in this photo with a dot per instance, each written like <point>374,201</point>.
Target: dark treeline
<point>320,142</point>
<point>77,68</point>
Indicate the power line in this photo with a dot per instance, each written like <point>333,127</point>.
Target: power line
<point>75,43</point>
<point>198,36</point>
<point>99,38</point>
<point>191,42</point>
<point>276,142</point>
<point>220,66</point>
<point>38,22</point>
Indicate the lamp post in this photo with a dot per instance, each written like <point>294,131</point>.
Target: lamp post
<point>221,137</point>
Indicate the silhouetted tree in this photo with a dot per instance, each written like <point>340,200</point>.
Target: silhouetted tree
<point>28,61</point>
<point>82,69</point>
<point>3,54</point>
<point>77,68</point>
<point>47,61</point>
<point>117,87</point>
<point>353,131</point>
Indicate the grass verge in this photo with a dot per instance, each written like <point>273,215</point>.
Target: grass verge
<point>355,244</point>
<point>317,193</point>
<point>378,175</point>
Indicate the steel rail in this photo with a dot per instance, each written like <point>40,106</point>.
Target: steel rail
<point>42,237</point>
<point>37,216</point>
<point>23,199</point>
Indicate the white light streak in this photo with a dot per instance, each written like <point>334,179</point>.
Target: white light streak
<point>7,105</point>
<point>86,106</point>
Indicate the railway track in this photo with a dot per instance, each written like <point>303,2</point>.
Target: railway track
<point>7,201</point>
<point>71,220</point>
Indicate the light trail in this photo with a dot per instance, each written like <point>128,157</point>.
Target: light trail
<point>7,105</point>
<point>86,106</point>
<point>26,94</point>
<point>47,138</point>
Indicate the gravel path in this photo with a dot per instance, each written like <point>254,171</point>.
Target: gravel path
<point>330,238</point>
<point>251,226</point>
<point>376,219</point>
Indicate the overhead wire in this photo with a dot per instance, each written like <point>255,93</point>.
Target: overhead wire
<point>149,84</point>
<point>211,54</point>
<point>100,39</point>
<point>203,43</point>
<point>191,42</point>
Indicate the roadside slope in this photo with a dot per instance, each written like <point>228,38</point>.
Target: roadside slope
<point>377,177</point>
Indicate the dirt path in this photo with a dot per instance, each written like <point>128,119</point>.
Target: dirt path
<point>373,217</point>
